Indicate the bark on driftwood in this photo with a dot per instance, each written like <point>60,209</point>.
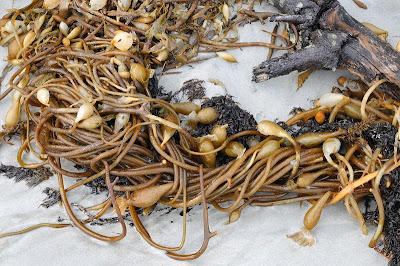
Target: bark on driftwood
<point>332,39</point>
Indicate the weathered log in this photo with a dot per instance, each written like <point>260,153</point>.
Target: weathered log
<point>332,39</point>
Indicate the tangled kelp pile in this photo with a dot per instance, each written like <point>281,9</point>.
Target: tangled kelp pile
<point>84,83</point>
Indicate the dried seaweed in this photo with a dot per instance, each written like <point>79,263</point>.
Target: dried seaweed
<point>111,220</point>
<point>313,126</point>
<point>191,90</point>
<point>382,135</point>
<point>229,113</point>
<point>378,134</point>
<point>391,230</point>
<point>53,197</point>
<point>158,91</point>
<point>32,177</point>
<point>99,185</point>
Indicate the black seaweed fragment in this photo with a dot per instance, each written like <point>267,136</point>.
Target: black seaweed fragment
<point>188,209</point>
<point>313,126</point>
<point>99,185</point>
<point>158,91</point>
<point>377,134</point>
<point>53,197</point>
<point>230,113</point>
<point>111,220</point>
<point>81,167</point>
<point>32,177</point>
<point>382,135</point>
<point>391,227</point>
<point>390,245</point>
<point>193,89</point>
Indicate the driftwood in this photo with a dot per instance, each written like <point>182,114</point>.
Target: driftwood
<point>332,39</point>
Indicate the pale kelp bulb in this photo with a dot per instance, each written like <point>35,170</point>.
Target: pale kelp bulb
<point>97,4</point>
<point>122,40</point>
<point>43,95</point>
<point>331,146</point>
<point>330,99</point>
<point>227,57</point>
<point>64,29</point>
<point>207,115</point>
<point>84,112</point>
<point>138,72</point>
<point>91,123</point>
<point>13,114</point>
<point>50,4</point>
<point>121,120</point>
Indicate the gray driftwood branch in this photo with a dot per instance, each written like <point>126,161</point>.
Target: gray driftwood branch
<point>332,39</point>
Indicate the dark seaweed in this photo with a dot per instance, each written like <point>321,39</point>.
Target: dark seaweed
<point>370,214</point>
<point>111,220</point>
<point>193,89</point>
<point>188,209</point>
<point>230,113</point>
<point>313,126</point>
<point>53,197</point>
<point>99,184</point>
<point>32,177</point>
<point>158,91</point>
<point>382,135</point>
<point>391,227</point>
<point>81,167</point>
